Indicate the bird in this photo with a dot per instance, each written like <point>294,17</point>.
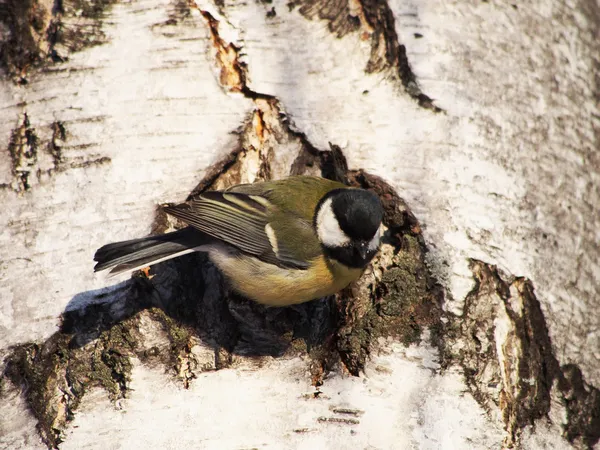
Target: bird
<point>279,243</point>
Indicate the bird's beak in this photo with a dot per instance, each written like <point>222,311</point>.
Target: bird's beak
<point>362,250</point>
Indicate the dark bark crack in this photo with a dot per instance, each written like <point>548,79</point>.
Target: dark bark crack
<point>33,160</point>
<point>503,345</point>
<point>375,21</point>
<point>23,151</point>
<point>38,36</point>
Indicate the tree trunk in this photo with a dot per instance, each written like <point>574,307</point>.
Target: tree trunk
<point>477,123</point>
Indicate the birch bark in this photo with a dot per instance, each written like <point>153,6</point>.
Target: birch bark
<point>483,116</point>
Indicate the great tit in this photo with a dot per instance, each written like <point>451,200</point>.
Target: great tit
<point>278,242</point>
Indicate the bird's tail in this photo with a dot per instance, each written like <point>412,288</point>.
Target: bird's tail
<point>127,256</point>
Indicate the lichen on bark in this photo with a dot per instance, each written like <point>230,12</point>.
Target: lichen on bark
<point>397,297</point>
<point>56,376</point>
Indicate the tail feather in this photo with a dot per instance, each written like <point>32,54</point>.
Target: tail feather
<point>127,256</point>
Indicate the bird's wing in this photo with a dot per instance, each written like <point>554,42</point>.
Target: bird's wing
<point>250,223</point>
<point>297,194</point>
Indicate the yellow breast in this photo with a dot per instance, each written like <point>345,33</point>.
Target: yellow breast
<point>275,286</point>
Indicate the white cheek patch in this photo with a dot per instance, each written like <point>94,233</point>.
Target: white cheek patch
<point>374,243</point>
<point>328,228</point>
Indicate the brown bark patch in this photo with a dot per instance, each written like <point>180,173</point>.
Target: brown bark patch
<point>23,150</point>
<point>397,297</point>
<point>232,76</point>
<point>43,32</point>
<point>502,343</point>
<point>35,159</point>
<point>55,376</point>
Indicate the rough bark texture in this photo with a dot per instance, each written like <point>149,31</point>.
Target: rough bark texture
<point>112,108</point>
<point>187,300</point>
<point>502,342</point>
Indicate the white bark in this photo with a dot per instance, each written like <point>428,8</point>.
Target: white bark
<point>148,100</point>
<point>507,174</point>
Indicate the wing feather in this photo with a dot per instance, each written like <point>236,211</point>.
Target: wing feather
<point>240,220</point>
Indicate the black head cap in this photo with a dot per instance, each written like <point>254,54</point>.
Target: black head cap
<point>358,212</point>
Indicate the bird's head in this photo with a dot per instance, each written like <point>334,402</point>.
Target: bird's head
<point>348,222</point>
